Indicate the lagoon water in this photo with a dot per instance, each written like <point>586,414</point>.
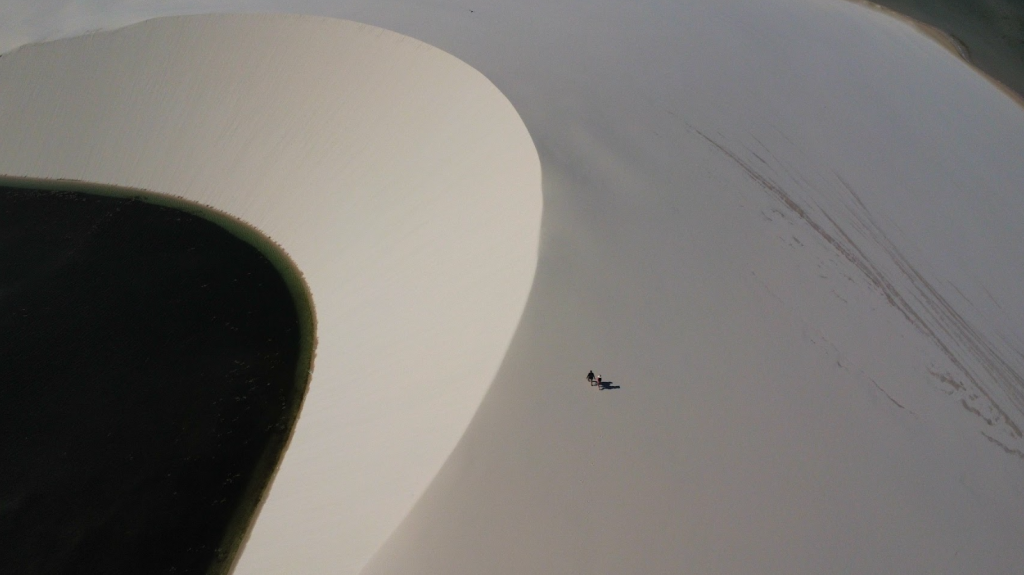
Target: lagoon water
<point>148,367</point>
<point>990,32</point>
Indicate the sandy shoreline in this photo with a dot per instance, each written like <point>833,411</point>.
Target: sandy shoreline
<point>144,346</point>
<point>948,41</point>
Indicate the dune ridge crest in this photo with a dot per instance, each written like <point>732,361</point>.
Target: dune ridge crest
<point>401,182</point>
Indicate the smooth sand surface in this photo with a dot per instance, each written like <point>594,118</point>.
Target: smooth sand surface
<point>790,230</point>
<point>400,181</point>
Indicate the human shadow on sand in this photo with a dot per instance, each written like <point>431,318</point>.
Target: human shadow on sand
<point>608,385</point>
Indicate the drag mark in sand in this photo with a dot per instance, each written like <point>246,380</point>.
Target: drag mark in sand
<point>992,381</point>
<point>1003,446</point>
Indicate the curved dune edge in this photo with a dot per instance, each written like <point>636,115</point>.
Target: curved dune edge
<point>399,180</point>
<point>265,469</point>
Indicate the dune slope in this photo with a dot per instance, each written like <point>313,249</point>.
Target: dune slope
<point>402,183</point>
<point>790,230</point>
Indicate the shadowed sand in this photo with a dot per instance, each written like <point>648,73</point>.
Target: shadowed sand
<point>789,229</point>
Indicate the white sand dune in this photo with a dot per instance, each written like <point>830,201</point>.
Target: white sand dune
<point>400,181</point>
<point>789,229</point>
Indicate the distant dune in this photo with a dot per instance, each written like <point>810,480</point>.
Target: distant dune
<point>790,231</point>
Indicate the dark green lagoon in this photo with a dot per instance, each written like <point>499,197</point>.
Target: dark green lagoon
<point>152,365</point>
<point>991,31</point>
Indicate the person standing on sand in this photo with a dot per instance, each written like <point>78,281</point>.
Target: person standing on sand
<point>590,377</point>
<point>599,382</point>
